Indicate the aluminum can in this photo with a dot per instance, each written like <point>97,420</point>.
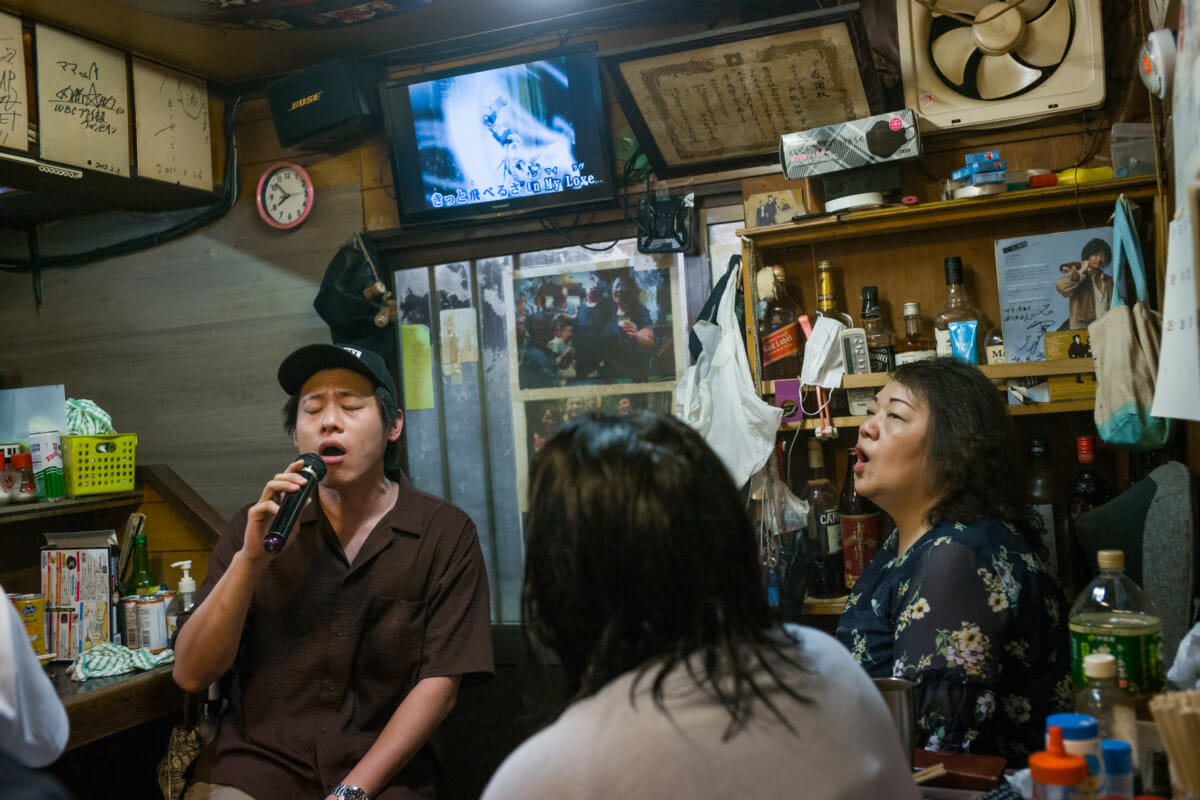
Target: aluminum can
<point>46,449</point>
<point>128,620</point>
<point>152,623</point>
<point>32,608</point>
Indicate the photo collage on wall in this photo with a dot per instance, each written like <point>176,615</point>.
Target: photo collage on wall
<point>604,337</point>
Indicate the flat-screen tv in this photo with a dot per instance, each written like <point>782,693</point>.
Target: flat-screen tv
<point>489,141</point>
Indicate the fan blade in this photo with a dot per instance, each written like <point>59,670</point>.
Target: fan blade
<point>966,7</point>
<point>1031,9</point>
<point>951,51</point>
<point>1047,37</point>
<point>1000,76</point>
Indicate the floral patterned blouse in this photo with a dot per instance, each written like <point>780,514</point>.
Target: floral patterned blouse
<point>978,623</point>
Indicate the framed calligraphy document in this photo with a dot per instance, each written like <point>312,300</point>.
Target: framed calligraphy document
<point>721,100</point>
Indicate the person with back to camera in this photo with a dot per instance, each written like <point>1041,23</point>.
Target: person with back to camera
<point>642,577</point>
<point>958,599</point>
<point>349,644</point>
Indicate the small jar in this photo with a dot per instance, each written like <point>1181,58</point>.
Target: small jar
<point>5,494</point>
<point>25,490</point>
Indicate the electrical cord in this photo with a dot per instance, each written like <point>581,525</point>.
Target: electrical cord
<point>209,214</point>
<point>630,173</point>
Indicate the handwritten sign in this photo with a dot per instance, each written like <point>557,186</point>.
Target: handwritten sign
<point>1178,381</point>
<point>1043,286</point>
<point>14,110</point>
<point>83,102</point>
<point>171,115</point>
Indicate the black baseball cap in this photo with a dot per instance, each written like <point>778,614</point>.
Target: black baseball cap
<point>311,359</point>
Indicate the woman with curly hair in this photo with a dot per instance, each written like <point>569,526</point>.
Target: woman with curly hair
<point>958,600</point>
<point>642,577</point>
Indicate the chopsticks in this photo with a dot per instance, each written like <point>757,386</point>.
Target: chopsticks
<point>1177,715</point>
<point>929,773</point>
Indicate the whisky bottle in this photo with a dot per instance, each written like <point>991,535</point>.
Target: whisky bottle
<point>860,526</point>
<point>779,331</point>
<point>824,527</point>
<point>915,346</point>
<point>881,342</point>
<point>957,326</point>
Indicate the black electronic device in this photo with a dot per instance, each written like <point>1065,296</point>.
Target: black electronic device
<point>490,141</point>
<point>289,508</point>
<point>666,224</point>
<point>326,107</point>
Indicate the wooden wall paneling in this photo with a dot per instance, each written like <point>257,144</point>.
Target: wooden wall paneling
<point>380,212</point>
<point>181,343</point>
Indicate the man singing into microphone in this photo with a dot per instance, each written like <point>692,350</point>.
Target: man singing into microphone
<point>347,646</point>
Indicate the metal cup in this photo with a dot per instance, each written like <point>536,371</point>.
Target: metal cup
<point>898,696</point>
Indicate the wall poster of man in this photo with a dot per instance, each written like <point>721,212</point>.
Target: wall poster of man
<point>601,336</point>
<point>1053,282</point>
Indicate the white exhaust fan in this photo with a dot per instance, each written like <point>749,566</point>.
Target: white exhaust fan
<point>968,63</point>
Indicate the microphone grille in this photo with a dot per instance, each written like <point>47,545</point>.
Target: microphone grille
<point>315,463</point>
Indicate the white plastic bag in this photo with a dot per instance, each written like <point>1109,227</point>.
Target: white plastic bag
<point>717,397</point>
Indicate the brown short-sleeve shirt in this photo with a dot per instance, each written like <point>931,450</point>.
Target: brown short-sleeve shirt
<point>330,649</point>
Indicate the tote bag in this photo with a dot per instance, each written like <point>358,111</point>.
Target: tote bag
<point>717,397</point>
<point>1125,343</point>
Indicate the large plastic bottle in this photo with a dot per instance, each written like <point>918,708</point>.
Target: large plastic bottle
<point>182,601</point>
<point>1113,615</point>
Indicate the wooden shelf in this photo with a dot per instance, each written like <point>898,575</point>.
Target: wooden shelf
<point>881,221</point>
<point>824,605</point>
<point>100,707</point>
<point>1064,366</point>
<point>19,512</point>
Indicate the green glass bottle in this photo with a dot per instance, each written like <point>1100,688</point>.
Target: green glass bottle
<point>141,579</point>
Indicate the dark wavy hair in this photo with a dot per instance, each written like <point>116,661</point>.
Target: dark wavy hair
<point>639,554</point>
<point>972,449</point>
<point>1097,246</point>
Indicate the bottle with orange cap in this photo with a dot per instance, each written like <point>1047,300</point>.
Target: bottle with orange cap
<point>1056,774</point>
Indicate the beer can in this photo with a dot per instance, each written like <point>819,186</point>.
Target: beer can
<point>32,608</point>
<point>152,623</point>
<point>46,449</point>
<point>128,620</point>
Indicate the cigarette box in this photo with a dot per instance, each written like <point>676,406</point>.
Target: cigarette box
<point>986,155</point>
<point>849,145</point>
<point>978,166</point>
<point>77,581</point>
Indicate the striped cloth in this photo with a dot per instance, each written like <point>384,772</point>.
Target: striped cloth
<point>85,418</point>
<point>113,659</point>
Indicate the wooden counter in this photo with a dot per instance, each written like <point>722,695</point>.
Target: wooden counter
<point>101,707</point>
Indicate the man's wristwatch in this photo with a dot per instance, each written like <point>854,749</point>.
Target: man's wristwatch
<point>349,792</point>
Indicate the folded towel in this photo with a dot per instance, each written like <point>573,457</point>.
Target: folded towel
<point>113,659</point>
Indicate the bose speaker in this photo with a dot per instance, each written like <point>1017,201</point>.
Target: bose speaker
<point>665,224</point>
<point>327,107</point>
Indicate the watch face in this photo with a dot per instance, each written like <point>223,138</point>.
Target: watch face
<point>285,195</point>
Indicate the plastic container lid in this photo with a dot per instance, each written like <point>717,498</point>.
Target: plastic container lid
<point>1100,665</point>
<point>1118,757</point>
<point>1111,559</point>
<point>1054,766</point>
<point>1075,727</point>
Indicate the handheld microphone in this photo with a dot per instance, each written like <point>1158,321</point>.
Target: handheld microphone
<point>281,526</point>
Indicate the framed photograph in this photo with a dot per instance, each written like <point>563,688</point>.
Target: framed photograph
<point>590,334</point>
<point>721,100</point>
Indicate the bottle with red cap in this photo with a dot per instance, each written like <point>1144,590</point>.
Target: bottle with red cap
<point>1056,774</point>
<point>25,489</point>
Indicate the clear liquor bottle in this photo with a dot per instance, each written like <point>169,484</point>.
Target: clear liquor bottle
<point>824,527</point>
<point>915,346</point>
<point>779,331</point>
<point>957,326</point>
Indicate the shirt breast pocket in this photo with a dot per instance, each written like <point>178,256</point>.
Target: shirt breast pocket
<point>394,632</point>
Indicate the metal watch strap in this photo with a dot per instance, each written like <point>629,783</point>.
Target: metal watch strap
<point>346,792</point>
